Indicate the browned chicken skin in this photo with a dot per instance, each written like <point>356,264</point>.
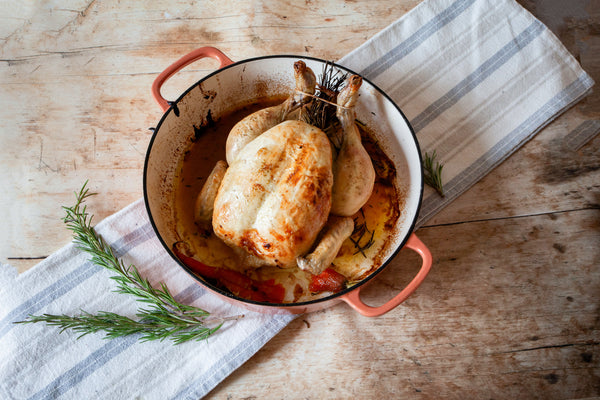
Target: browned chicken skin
<point>255,124</point>
<point>276,195</point>
<point>281,185</point>
<point>354,175</point>
<point>353,181</point>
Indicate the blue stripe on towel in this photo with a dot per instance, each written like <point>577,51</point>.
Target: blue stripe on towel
<point>190,294</point>
<point>98,358</point>
<point>234,358</point>
<point>72,279</point>
<point>484,71</point>
<point>84,368</point>
<point>527,129</point>
<point>440,20</point>
<point>111,349</point>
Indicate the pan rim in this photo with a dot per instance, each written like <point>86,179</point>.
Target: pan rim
<point>338,295</point>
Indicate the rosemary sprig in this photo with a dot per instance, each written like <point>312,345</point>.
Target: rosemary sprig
<point>164,317</point>
<point>361,231</point>
<point>321,114</point>
<point>433,172</point>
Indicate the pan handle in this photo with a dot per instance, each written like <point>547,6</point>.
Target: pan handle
<point>189,58</point>
<point>353,297</point>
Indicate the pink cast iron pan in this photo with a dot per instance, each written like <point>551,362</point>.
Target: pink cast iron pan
<point>234,84</point>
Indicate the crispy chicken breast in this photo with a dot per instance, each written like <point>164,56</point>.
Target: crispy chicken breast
<point>276,195</point>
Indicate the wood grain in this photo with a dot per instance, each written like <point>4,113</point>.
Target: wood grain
<point>504,329</point>
<point>511,307</point>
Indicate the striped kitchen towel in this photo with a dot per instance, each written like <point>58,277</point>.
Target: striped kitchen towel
<point>36,362</point>
<point>476,79</point>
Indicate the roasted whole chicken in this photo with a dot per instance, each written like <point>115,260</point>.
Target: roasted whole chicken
<point>285,197</point>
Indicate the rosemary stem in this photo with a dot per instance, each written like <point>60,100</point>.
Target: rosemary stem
<point>165,317</point>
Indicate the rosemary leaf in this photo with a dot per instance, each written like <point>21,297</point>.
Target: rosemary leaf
<point>165,317</point>
<point>433,172</point>
<point>357,236</point>
<point>322,114</point>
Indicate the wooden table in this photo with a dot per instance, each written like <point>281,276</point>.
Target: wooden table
<point>511,307</point>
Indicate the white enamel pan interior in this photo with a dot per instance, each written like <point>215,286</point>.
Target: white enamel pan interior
<point>235,85</point>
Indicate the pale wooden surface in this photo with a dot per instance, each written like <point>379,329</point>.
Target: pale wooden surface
<point>511,307</point>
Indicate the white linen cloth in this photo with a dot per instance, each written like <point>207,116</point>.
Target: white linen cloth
<point>476,79</point>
